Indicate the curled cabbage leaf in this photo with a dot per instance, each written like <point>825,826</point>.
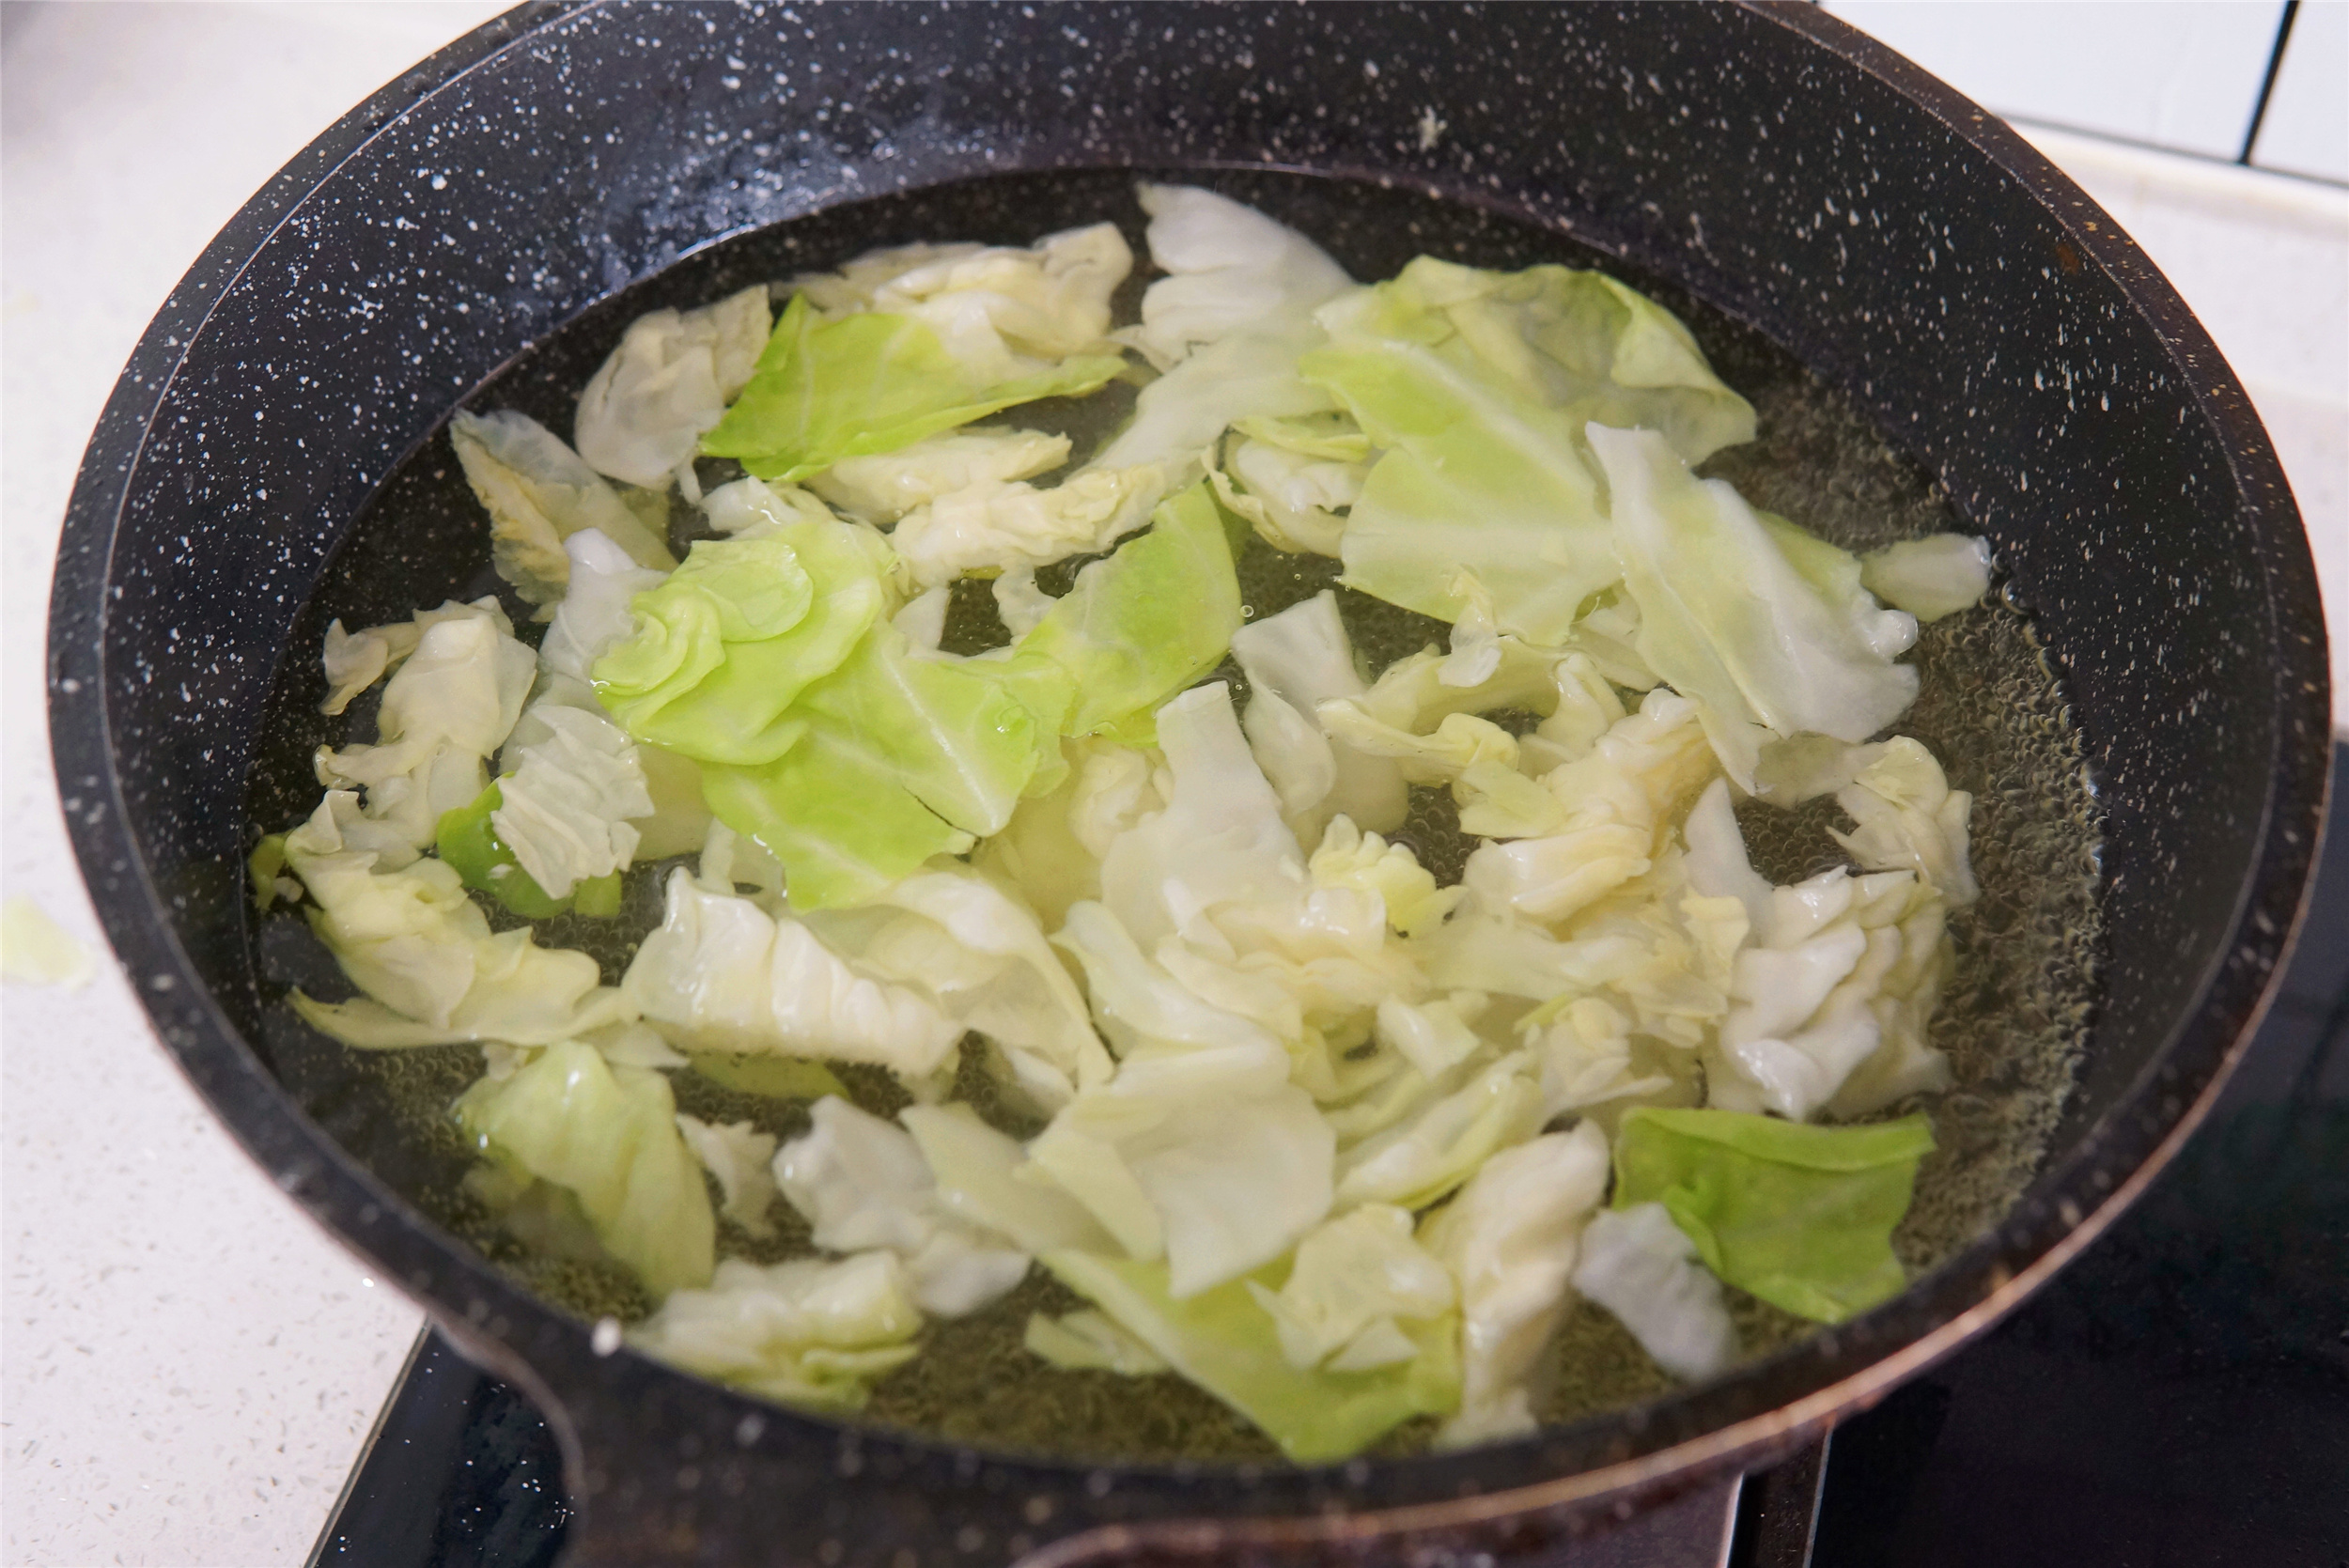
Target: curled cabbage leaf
<point>884,488</point>
<point>737,1154</point>
<point>863,1184</point>
<point>1228,325</point>
<point>538,493</point>
<point>1295,662</point>
<point>1226,1342</point>
<point>723,975</point>
<point>421,951</point>
<point>1766,626</point>
<point>1636,1263</point>
<point>609,1136</point>
<point>669,381</point>
<point>1510,1239</point>
<point>1352,1284</point>
<point>808,1333</point>
<point>1931,578</point>
<point>874,380</point>
<point>451,704</point>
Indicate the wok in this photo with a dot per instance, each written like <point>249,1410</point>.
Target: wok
<point>1768,160</point>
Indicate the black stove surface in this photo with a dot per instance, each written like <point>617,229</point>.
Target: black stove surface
<point>2178,1397</point>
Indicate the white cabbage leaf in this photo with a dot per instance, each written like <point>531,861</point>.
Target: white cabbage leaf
<point>863,1184</point>
<point>1227,325</point>
<point>1051,851</point>
<point>804,1333</point>
<point>1365,863</point>
<point>564,811</point>
<point>1766,626</point>
<point>1003,312</point>
<point>593,617</point>
<point>451,704</point>
<point>644,410</point>
<point>1510,1240</point>
<point>1587,1058</point>
<point>1354,1280</point>
<point>1618,801</point>
<point>1419,1159</point>
<point>737,1154</point>
<point>981,957</point>
<point>354,661</point>
<point>1295,662</point>
<point>1906,816</point>
<point>422,953</point>
<point>977,1172</point>
<point>996,526</point>
<point>1292,496</point>
<point>1832,998</point>
<point>1936,576</point>
<point>885,487</point>
<point>724,974</point>
<point>1636,1264</point>
<point>538,493</point>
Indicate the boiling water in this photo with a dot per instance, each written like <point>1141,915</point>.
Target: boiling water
<point>2012,1022</point>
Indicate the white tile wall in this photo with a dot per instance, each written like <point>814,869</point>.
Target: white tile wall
<point>2305,130</point>
<point>2175,74</point>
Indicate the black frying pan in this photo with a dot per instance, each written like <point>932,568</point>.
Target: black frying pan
<point>1984,313</point>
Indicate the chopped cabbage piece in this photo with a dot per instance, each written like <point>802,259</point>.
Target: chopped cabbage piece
<point>609,1136</point>
<point>874,382</point>
<point>451,704</point>
<point>1351,1284</point>
<point>804,1333</point>
<point>467,842</point>
<point>723,649</point>
<point>1291,496</point>
<point>1088,1340</point>
<point>1226,1343</point>
<point>1478,384</point>
<point>1931,578</point>
<point>774,1077</point>
<point>1350,857</point>
<point>1418,1160</point>
<point>1764,626</point>
<point>1843,974</point>
<point>1227,325</point>
<point>998,527</point>
<point>1509,1239</point>
<point>563,809</point>
<point>983,958</point>
<point>737,1153</point>
<point>722,975</point>
<point>1001,311</point>
<point>1143,624</point>
<point>977,1173</point>
<point>863,1184</point>
<point>1295,662</point>
<point>423,955</point>
<point>593,617</point>
<point>1636,1263</point>
<point>537,494</point>
<point>882,488</point>
<point>1799,1216</point>
<point>669,381</point>
<point>1907,817</point>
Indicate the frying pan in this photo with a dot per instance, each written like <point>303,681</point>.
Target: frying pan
<point>1983,312</point>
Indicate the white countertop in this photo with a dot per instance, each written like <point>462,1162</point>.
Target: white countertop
<point>189,1366</point>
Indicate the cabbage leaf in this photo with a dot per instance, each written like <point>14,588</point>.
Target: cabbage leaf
<point>674,371</point>
<point>1638,1266</point>
<point>1799,1216</point>
<point>1226,1342</point>
<point>806,1332</point>
<point>609,1136</point>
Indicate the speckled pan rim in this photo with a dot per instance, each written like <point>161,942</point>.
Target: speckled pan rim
<point>2024,1250</point>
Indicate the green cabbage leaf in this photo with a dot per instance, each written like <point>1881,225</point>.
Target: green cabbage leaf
<point>1226,1343</point>
<point>1797,1215</point>
<point>609,1136</point>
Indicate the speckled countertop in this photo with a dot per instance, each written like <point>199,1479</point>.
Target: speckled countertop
<point>190,1367</point>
